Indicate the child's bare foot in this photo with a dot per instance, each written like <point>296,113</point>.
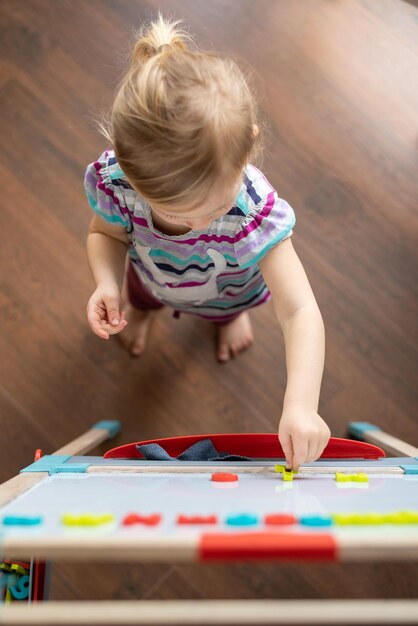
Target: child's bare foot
<point>234,337</point>
<point>134,336</point>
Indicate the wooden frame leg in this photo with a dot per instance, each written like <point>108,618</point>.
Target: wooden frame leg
<point>373,434</point>
<point>91,438</point>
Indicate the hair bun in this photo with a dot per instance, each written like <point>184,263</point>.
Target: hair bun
<point>157,37</point>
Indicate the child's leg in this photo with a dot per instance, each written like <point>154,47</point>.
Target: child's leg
<point>234,336</point>
<point>140,307</point>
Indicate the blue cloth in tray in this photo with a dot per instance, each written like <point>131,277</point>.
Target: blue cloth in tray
<point>202,450</point>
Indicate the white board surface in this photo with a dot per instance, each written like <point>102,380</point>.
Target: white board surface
<point>171,494</point>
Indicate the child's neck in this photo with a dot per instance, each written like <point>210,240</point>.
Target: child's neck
<point>166,228</point>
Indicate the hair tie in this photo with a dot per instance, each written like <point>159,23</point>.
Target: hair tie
<point>162,47</point>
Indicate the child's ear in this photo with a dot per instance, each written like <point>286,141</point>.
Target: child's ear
<point>256,130</point>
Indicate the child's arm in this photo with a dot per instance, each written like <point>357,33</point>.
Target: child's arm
<point>302,432</point>
<point>107,246</point>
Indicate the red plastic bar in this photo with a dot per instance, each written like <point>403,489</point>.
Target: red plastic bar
<point>253,445</point>
<point>268,546</point>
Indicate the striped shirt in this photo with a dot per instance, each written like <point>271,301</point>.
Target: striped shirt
<point>212,273</point>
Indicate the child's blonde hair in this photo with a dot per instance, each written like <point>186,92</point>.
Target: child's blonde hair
<point>182,120</point>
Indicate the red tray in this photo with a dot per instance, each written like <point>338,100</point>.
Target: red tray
<point>253,445</point>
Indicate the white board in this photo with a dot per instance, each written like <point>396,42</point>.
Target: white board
<point>171,494</point>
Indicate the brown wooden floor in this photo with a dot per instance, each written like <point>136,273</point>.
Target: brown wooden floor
<point>338,84</point>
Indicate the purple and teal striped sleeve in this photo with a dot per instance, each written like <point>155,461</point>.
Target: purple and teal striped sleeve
<point>103,195</point>
<point>269,221</point>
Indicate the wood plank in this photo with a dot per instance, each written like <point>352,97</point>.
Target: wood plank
<point>214,612</point>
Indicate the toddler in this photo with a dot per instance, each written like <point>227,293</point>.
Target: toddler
<point>182,215</point>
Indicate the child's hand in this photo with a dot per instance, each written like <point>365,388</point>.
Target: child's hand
<point>103,311</point>
<point>303,435</point>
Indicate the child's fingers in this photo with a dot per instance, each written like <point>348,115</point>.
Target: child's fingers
<point>286,443</point>
<point>311,454</point>
<point>315,451</point>
<point>104,317</point>
<point>300,452</point>
<point>104,330</point>
<point>321,447</point>
<point>112,309</point>
<point>96,325</point>
<point>114,330</point>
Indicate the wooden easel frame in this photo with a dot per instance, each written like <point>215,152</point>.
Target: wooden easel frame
<point>382,546</point>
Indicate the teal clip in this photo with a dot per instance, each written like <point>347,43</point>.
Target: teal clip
<point>55,464</point>
<point>410,469</point>
<point>356,429</point>
<point>113,426</point>
<point>72,468</point>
